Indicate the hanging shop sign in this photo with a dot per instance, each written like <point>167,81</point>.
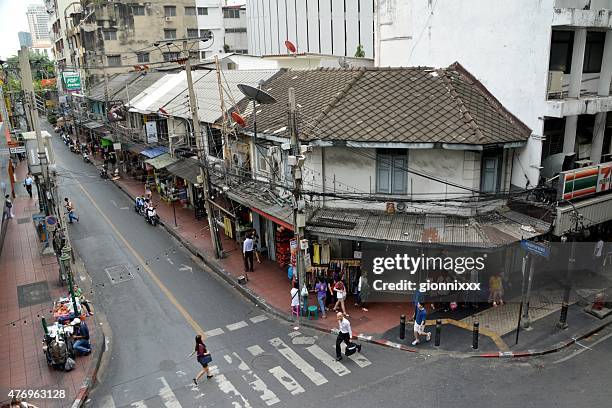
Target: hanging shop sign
<point>293,246</point>
<point>151,132</point>
<point>585,181</point>
<point>72,81</point>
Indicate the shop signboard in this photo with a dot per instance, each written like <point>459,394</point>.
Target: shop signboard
<point>585,181</point>
<point>18,149</point>
<point>293,245</point>
<point>72,81</point>
<point>151,132</point>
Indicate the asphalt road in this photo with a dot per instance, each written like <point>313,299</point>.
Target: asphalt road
<point>155,311</point>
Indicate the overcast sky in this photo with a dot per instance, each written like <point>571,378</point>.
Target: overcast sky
<point>12,20</point>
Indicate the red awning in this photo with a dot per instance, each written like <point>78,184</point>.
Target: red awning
<point>273,218</point>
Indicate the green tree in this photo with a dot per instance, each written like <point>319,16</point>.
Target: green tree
<point>360,53</point>
<point>42,68</point>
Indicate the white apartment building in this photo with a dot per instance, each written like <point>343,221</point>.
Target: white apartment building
<point>57,15</point>
<point>314,26</point>
<point>549,62</point>
<point>38,20</point>
<point>227,21</point>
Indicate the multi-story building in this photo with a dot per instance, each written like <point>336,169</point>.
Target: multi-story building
<point>120,34</point>
<point>226,20</point>
<point>549,62</point>
<point>38,20</point>
<point>25,39</point>
<point>323,26</point>
<point>58,19</point>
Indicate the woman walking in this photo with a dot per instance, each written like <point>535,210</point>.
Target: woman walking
<point>340,290</point>
<point>203,357</point>
<point>321,289</point>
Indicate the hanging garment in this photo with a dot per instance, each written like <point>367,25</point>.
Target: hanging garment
<point>316,254</point>
<point>325,254</point>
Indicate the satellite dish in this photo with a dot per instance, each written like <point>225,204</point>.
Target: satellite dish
<point>256,94</point>
<point>290,46</point>
<point>238,119</point>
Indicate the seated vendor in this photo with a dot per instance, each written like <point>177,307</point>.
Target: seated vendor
<point>81,337</point>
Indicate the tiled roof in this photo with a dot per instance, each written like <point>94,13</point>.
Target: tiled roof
<point>401,105</point>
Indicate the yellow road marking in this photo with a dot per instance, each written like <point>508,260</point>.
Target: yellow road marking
<point>198,329</point>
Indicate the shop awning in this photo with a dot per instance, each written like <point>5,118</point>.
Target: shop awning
<point>154,151</point>
<point>486,231</point>
<point>136,148</point>
<point>187,169</point>
<point>161,161</point>
<point>105,141</point>
<point>93,125</point>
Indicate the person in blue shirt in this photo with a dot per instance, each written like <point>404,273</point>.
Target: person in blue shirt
<point>81,335</point>
<point>419,324</point>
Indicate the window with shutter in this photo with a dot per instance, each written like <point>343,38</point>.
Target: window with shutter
<point>391,171</point>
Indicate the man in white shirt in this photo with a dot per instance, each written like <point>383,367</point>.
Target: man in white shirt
<point>247,252</point>
<point>344,335</point>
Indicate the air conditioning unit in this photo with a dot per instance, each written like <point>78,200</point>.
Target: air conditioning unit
<point>168,19</point>
<point>555,82</point>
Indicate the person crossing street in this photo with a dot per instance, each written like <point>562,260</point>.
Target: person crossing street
<point>70,210</point>
<point>345,333</point>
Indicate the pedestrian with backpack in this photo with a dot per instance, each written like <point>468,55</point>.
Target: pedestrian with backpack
<point>9,206</point>
<point>345,333</point>
<point>204,358</point>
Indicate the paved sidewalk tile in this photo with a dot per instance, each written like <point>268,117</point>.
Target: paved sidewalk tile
<point>24,365</point>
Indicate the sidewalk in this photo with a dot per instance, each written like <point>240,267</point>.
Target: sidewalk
<point>269,286</point>
<point>29,284</point>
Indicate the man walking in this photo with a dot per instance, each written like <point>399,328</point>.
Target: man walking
<point>345,333</point>
<point>419,324</point>
<point>27,183</point>
<point>247,251</point>
<point>70,209</point>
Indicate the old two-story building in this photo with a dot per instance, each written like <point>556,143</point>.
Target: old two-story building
<point>395,156</point>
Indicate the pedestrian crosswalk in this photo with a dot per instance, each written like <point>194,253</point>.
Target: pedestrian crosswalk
<point>260,375</point>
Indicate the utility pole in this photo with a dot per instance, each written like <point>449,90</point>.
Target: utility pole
<point>28,87</point>
<point>299,220</point>
<point>204,176</point>
<point>571,265</point>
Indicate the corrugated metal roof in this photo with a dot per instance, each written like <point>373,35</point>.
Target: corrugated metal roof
<point>161,161</point>
<point>176,101</point>
<point>487,231</point>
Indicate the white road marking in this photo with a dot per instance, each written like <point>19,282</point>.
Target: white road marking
<point>256,383</point>
<point>214,332</point>
<point>294,333</point>
<point>257,319</point>
<point>228,388</point>
<point>336,366</point>
<point>124,208</point>
<point>186,268</point>
<point>169,261</point>
<point>358,358</point>
<point>286,380</point>
<point>255,350</point>
<point>236,326</point>
<point>138,404</point>
<point>113,203</point>
<point>167,395</point>
<point>108,402</point>
<point>301,364</point>
<point>577,352</point>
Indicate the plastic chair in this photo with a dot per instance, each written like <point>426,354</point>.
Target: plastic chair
<point>295,310</point>
<point>315,310</point>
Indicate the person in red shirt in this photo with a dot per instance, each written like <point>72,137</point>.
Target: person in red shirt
<point>203,357</point>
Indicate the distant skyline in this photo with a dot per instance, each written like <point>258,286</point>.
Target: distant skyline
<point>14,20</point>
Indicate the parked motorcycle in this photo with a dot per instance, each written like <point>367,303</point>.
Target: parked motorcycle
<point>139,205</point>
<point>151,216</point>
<point>74,148</point>
<point>104,172</point>
<point>86,158</point>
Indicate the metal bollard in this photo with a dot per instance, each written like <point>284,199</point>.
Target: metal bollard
<point>402,327</point>
<point>475,336</point>
<point>438,332</point>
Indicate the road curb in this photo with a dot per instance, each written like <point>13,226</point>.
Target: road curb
<point>246,292</point>
<point>98,353</point>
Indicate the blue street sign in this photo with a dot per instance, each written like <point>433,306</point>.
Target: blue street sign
<point>535,248</point>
